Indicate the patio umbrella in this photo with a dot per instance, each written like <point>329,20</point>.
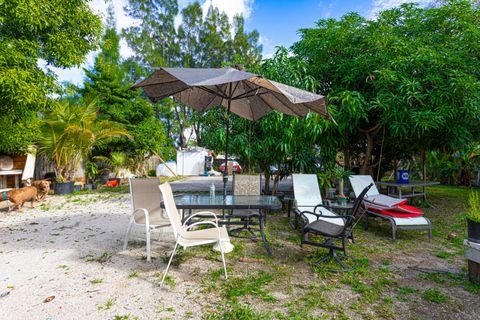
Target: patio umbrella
<point>246,94</point>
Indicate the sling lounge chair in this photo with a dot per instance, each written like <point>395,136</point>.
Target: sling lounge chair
<point>400,215</point>
<point>186,237</point>
<point>145,200</point>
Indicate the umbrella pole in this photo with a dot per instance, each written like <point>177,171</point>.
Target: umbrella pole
<point>225,172</point>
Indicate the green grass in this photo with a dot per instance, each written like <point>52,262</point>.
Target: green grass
<point>103,258</point>
<point>251,284</point>
<point>107,305</point>
<point>96,281</point>
<point>235,311</point>
<point>434,295</point>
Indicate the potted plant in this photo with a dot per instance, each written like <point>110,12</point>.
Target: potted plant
<point>339,174</point>
<point>473,217</point>
<point>69,132</point>
<point>325,183</point>
<point>118,163</point>
<point>91,171</point>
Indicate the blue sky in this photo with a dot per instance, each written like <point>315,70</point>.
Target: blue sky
<point>276,20</point>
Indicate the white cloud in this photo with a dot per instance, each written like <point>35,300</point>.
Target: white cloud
<point>380,5</point>
<point>230,7</point>
<point>326,9</point>
<point>268,47</point>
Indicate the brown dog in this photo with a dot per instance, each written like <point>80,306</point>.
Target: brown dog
<point>43,187</point>
<point>19,196</point>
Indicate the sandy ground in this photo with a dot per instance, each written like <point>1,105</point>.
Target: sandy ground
<point>72,249</point>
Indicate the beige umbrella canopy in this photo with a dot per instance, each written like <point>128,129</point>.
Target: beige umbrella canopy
<point>246,94</point>
<point>250,96</point>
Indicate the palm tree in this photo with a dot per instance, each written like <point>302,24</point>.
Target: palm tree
<point>70,132</point>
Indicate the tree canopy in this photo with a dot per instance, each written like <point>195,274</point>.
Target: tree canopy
<point>55,33</point>
<point>108,82</point>
<point>413,71</point>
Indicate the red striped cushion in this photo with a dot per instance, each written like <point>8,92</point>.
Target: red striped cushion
<point>408,211</point>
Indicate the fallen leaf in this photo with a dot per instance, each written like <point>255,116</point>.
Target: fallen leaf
<point>48,299</point>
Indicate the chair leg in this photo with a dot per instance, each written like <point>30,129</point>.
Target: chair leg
<point>223,259</point>
<point>147,230</point>
<point>169,262</point>
<point>394,233</point>
<point>129,229</point>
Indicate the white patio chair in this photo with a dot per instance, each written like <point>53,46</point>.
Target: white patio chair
<point>145,200</point>
<point>186,237</point>
<point>378,205</point>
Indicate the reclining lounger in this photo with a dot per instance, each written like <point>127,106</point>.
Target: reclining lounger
<point>396,211</point>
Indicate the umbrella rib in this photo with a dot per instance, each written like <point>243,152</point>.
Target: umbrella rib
<point>273,94</point>
<point>243,95</point>
<point>155,99</point>
<point>288,107</point>
<point>206,106</point>
<point>212,92</point>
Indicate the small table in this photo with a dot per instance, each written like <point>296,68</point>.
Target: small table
<point>5,173</point>
<point>393,185</point>
<point>344,207</point>
<point>231,202</point>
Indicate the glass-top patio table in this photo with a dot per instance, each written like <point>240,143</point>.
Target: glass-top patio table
<point>230,202</point>
<point>394,189</point>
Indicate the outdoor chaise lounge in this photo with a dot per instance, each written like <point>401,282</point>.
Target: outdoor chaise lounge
<point>186,237</point>
<point>396,211</point>
<point>146,211</point>
<point>319,220</point>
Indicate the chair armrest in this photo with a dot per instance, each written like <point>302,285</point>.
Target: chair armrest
<point>199,213</point>
<point>145,213</point>
<point>323,206</point>
<point>203,222</point>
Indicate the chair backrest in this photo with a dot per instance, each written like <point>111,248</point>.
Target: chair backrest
<point>171,208</point>
<point>247,185</point>
<point>359,182</point>
<point>306,190</point>
<point>145,194</point>
<point>359,199</point>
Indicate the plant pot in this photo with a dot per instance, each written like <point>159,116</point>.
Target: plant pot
<point>473,229</point>
<point>88,186</point>
<point>63,187</point>
<point>342,200</point>
<point>77,187</point>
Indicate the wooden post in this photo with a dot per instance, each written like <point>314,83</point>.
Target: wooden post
<point>473,256</point>
<point>474,271</point>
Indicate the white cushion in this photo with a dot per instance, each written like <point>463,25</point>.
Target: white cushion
<point>417,221</point>
<point>306,190</point>
<point>359,183</point>
<point>384,201</point>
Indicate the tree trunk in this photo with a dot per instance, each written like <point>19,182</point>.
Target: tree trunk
<point>346,157</point>
<point>369,134</point>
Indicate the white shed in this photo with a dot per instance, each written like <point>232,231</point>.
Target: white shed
<point>191,162</point>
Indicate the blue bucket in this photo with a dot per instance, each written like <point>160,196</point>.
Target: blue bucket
<point>402,176</point>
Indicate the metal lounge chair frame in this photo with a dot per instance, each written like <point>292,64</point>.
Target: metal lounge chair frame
<point>344,233</point>
<point>394,221</point>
